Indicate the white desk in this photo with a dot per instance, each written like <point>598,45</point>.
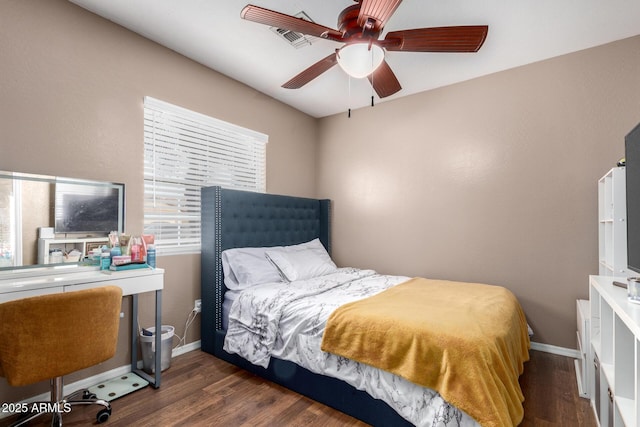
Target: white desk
<point>23,283</point>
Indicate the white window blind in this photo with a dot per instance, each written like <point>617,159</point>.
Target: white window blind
<point>183,152</point>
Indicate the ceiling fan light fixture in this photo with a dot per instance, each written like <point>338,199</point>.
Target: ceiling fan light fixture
<point>360,59</point>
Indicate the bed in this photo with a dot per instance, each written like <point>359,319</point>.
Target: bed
<point>236,219</point>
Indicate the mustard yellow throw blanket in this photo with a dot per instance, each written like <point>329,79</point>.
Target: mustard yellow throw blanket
<point>467,341</point>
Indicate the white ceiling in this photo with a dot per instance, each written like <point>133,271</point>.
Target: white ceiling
<point>520,32</point>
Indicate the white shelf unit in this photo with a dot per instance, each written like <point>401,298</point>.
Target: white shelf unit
<point>615,348</point>
<point>66,245</point>
<point>612,225</point>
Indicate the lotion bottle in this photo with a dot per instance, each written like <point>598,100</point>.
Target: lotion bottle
<point>151,256</point>
<point>105,259</point>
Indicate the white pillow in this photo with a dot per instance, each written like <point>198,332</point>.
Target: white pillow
<point>304,261</point>
<point>246,267</point>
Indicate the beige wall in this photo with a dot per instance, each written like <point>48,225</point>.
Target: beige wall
<point>492,180</point>
<point>71,91</point>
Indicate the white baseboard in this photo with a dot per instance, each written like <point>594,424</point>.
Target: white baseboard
<point>547,348</point>
<point>185,348</point>
<point>562,351</point>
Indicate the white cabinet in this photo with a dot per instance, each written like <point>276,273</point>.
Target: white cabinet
<point>612,226</point>
<point>615,352</point>
<point>45,246</point>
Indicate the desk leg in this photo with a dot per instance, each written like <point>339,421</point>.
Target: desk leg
<point>155,380</point>
<point>158,355</point>
<point>134,332</point>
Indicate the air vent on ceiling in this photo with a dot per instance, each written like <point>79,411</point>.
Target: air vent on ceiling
<point>296,40</point>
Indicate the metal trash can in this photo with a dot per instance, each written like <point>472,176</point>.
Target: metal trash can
<point>148,348</point>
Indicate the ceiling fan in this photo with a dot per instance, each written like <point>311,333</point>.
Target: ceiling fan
<point>362,55</point>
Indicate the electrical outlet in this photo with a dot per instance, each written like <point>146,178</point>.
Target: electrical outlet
<point>197,306</point>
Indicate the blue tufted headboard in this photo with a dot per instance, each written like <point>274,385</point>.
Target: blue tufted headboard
<point>233,219</point>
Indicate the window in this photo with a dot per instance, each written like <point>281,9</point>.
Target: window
<point>183,152</point>
<point>10,221</point>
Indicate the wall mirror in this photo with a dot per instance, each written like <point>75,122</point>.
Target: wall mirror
<point>52,220</point>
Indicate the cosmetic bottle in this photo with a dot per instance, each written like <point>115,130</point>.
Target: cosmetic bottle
<point>105,259</point>
<point>151,256</point>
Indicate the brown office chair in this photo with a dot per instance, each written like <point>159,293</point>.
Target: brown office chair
<point>49,336</point>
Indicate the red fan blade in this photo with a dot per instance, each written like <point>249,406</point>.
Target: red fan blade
<point>311,73</point>
<point>378,10</point>
<point>280,20</point>
<point>438,39</point>
<point>384,81</point>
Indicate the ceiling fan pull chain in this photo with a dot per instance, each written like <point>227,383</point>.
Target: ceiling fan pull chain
<point>349,112</point>
<point>372,76</point>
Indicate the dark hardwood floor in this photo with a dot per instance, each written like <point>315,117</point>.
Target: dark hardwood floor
<point>201,390</point>
<point>551,393</point>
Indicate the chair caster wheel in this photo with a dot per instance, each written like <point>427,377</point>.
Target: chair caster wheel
<point>103,415</point>
<point>88,395</point>
<point>56,421</point>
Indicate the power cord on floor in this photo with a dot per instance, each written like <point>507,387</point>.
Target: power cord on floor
<point>190,319</point>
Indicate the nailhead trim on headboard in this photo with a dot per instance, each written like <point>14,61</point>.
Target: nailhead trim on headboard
<point>232,218</point>
<point>218,259</point>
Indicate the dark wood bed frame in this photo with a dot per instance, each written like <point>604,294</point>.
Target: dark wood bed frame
<point>231,219</point>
